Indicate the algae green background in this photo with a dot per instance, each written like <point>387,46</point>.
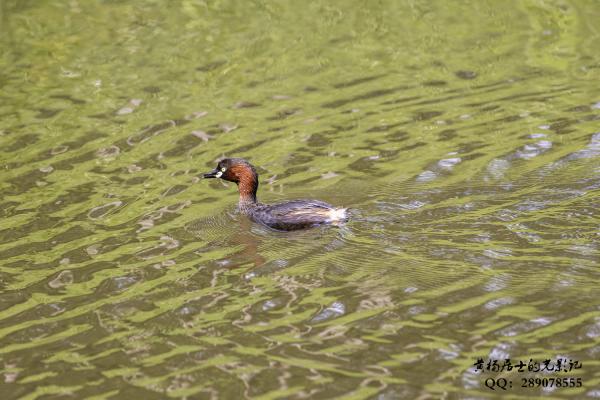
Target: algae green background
<point>464,136</point>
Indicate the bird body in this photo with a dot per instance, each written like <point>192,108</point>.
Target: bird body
<point>285,216</point>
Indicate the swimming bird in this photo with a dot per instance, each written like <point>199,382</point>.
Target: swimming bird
<point>286,216</point>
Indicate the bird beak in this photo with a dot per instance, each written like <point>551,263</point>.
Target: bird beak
<point>215,173</point>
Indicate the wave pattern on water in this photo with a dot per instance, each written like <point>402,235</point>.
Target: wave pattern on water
<point>471,170</point>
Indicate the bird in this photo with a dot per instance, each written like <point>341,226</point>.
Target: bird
<point>285,216</point>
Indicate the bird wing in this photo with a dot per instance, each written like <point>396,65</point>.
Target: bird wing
<point>297,207</point>
<point>293,214</point>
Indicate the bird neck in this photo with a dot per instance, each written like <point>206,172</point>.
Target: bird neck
<point>247,186</point>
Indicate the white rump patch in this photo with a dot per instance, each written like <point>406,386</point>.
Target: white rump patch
<point>338,214</point>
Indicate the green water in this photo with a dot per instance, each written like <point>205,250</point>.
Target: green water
<point>464,136</point>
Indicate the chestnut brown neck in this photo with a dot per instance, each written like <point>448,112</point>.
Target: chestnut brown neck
<point>247,186</point>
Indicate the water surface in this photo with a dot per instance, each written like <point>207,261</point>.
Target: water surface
<point>464,136</point>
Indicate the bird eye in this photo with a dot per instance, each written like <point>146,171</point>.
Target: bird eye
<point>223,169</point>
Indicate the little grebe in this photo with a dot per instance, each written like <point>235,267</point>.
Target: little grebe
<point>287,216</point>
